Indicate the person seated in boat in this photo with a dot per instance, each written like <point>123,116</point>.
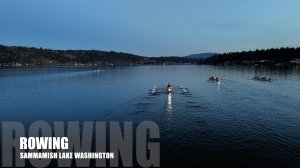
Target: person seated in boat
<point>261,78</point>
<point>214,78</point>
<point>169,88</point>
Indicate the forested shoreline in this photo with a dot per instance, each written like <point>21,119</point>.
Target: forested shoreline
<point>277,56</point>
<point>31,56</point>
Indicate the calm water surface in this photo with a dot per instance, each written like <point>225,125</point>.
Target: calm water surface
<point>237,122</point>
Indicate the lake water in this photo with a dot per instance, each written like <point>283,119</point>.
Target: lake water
<point>238,122</point>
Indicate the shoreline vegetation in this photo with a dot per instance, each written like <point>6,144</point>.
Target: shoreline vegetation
<point>16,56</point>
<point>273,57</point>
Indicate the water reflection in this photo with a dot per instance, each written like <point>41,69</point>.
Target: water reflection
<point>219,85</point>
<point>169,107</point>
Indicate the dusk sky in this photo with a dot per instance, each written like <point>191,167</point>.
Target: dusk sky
<point>151,27</point>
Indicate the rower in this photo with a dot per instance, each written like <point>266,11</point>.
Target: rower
<point>169,88</point>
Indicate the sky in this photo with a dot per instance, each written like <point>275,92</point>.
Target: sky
<point>151,27</point>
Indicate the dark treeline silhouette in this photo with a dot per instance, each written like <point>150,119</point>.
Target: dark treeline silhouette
<point>282,56</point>
<point>30,56</point>
<point>173,60</point>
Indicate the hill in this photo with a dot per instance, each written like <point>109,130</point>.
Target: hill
<point>201,55</point>
<point>30,56</point>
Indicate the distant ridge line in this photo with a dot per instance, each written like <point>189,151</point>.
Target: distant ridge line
<point>201,55</point>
